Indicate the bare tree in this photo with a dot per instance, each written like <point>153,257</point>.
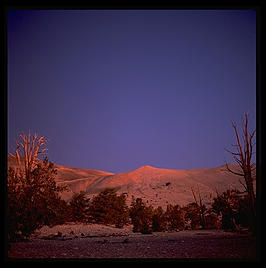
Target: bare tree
<point>32,193</point>
<point>201,206</point>
<point>243,157</point>
<point>28,149</point>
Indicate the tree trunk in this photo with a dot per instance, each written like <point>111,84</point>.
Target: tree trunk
<point>243,158</point>
<point>252,212</point>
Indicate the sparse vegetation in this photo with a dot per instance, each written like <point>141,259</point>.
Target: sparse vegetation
<point>243,157</point>
<point>175,218</point>
<point>141,216</point>
<point>109,208</point>
<point>159,222</point>
<point>34,200</point>
<point>233,207</point>
<point>192,216</point>
<point>79,207</point>
<point>32,193</point>
<point>212,220</point>
<point>201,208</point>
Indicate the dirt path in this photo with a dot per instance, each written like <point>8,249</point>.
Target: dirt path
<point>184,244</point>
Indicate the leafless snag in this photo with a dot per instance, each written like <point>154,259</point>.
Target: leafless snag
<point>243,156</point>
<point>30,149</point>
<point>201,206</point>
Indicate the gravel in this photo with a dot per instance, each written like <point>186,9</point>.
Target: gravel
<point>77,242</point>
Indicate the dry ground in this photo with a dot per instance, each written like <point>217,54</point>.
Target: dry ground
<point>95,241</point>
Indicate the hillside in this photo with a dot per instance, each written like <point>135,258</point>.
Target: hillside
<point>168,186</point>
<point>78,179</point>
<point>156,186</point>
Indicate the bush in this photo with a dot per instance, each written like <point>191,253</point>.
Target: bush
<point>193,216</point>
<point>212,220</point>
<point>141,216</point>
<point>79,207</point>
<point>109,208</point>
<point>58,214</point>
<point>33,199</point>
<point>243,212</point>
<point>158,220</point>
<point>233,208</point>
<point>175,217</point>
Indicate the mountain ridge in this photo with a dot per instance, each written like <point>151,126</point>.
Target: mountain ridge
<point>161,186</point>
<point>156,186</point>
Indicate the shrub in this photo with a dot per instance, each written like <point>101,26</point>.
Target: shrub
<point>212,220</point>
<point>158,220</point>
<point>33,199</point>
<point>233,208</point>
<point>175,217</point>
<point>58,214</point>
<point>193,216</point>
<point>79,206</point>
<point>109,208</point>
<point>141,216</point>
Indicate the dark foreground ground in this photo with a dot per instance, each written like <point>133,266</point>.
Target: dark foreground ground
<point>185,244</point>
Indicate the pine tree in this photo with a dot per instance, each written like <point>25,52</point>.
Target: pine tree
<point>79,206</point>
<point>158,220</point>
<point>175,217</point>
<point>109,208</point>
<point>141,216</point>
<point>243,157</point>
<point>32,194</point>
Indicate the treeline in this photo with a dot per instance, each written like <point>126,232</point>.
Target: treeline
<point>34,201</point>
<point>228,211</point>
<point>33,198</point>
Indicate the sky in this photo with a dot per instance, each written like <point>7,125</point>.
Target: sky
<point>118,89</point>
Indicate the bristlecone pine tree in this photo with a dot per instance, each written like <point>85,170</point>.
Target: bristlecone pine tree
<point>202,208</point>
<point>79,206</point>
<point>141,216</point>
<point>175,217</point>
<point>109,208</point>
<point>243,157</point>
<point>158,220</point>
<point>233,208</point>
<point>33,197</point>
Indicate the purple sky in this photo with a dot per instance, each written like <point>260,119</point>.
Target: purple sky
<point>115,90</point>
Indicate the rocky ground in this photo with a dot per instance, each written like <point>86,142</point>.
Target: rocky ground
<point>94,241</point>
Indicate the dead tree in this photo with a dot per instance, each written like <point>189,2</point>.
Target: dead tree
<point>201,206</point>
<point>28,149</point>
<point>243,156</point>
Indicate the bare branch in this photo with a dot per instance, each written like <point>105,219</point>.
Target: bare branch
<point>232,152</point>
<point>243,184</point>
<point>194,195</point>
<point>239,147</point>
<point>30,148</point>
<point>253,166</point>
<point>216,190</point>
<point>251,144</point>
<point>12,155</point>
<point>18,158</point>
<point>246,140</point>
<point>238,161</point>
<point>244,162</point>
<point>234,145</point>
<point>200,199</point>
<point>236,173</point>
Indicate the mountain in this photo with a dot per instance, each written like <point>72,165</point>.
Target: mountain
<point>79,179</point>
<point>156,186</point>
